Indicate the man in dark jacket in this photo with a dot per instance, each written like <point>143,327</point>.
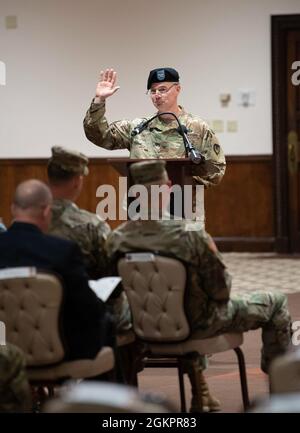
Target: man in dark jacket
<point>26,244</point>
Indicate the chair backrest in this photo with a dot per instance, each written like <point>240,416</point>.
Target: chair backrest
<point>155,287</point>
<point>30,303</point>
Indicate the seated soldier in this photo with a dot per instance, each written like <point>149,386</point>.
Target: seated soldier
<point>66,170</point>
<point>209,307</point>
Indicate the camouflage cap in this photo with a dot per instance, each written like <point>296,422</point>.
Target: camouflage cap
<point>69,160</point>
<point>147,172</point>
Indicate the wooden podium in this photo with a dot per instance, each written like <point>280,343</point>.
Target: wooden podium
<point>179,171</point>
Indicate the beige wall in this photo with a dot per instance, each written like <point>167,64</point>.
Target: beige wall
<point>54,56</point>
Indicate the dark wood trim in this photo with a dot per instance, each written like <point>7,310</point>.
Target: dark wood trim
<point>22,161</point>
<point>40,161</point>
<point>280,25</point>
<point>229,158</point>
<point>248,158</point>
<point>240,244</point>
<point>281,244</point>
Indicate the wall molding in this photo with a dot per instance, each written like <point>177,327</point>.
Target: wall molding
<point>42,161</point>
<point>241,244</point>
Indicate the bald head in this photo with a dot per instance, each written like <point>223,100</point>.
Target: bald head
<point>32,203</point>
<point>32,194</point>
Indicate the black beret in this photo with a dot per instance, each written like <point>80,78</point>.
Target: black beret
<point>162,74</point>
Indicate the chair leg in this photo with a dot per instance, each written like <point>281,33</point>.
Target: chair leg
<point>181,386</point>
<point>243,377</point>
<point>136,363</point>
<point>131,361</point>
<point>50,391</point>
<point>35,399</point>
<point>40,393</point>
<point>113,376</point>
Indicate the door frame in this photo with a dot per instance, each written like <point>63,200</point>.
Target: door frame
<point>280,25</point>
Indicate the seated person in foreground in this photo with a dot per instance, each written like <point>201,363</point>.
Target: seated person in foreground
<point>86,326</point>
<point>209,307</point>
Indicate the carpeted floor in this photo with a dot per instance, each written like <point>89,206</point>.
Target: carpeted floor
<point>267,271</point>
<point>250,272</point>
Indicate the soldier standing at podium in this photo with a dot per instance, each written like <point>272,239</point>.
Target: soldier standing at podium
<point>160,139</point>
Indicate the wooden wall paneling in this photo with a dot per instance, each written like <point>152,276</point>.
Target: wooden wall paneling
<point>12,172</point>
<point>101,173</point>
<point>239,211</point>
<point>242,204</point>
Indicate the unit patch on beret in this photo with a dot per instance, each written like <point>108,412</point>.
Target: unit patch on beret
<point>161,74</point>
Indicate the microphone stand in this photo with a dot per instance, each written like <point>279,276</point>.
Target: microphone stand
<point>195,156</point>
<point>190,152</point>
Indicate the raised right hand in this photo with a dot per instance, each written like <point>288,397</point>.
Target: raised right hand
<point>106,85</point>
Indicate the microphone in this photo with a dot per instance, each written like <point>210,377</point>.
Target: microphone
<point>195,156</point>
<point>140,128</point>
<point>143,125</point>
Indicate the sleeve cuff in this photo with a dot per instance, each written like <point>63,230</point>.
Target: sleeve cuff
<point>95,107</point>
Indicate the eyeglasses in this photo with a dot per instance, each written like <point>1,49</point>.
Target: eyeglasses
<point>161,90</point>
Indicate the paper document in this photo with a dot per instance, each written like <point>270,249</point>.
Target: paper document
<point>104,286</point>
<point>20,272</point>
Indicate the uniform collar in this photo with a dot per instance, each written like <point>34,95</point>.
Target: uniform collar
<point>170,124</point>
<point>63,202</point>
<point>18,225</point>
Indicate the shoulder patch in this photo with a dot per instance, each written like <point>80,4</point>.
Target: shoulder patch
<point>216,148</point>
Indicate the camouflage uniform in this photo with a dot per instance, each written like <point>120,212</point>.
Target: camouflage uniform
<point>209,307</point>
<point>15,395</point>
<point>159,141</point>
<point>70,222</point>
<point>84,228</point>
